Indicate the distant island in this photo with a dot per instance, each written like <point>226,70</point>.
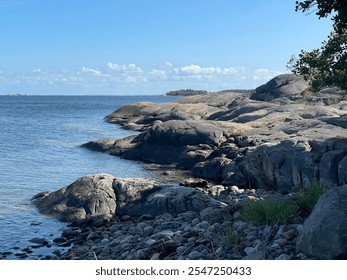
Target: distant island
<point>189,92</point>
<point>185,92</point>
<point>15,94</point>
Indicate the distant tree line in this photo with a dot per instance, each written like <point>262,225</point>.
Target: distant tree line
<point>186,92</point>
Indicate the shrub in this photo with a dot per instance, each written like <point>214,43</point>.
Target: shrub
<point>308,198</point>
<point>269,211</point>
<point>231,236</point>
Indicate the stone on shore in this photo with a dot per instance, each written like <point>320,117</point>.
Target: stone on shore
<point>286,85</point>
<point>89,196</point>
<point>104,196</point>
<point>324,232</point>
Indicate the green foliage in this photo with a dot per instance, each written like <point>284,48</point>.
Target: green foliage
<point>308,198</point>
<point>186,92</point>
<point>231,236</point>
<point>326,66</point>
<point>269,211</point>
<point>324,8</point>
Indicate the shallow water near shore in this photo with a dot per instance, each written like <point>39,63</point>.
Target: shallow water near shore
<point>40,151</point>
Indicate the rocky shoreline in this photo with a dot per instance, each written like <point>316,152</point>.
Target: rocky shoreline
<point>185,236</point>
<point>273,142</point>
<point>278,137</point>
<point>189,235</point>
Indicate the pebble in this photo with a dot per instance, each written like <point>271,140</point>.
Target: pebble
<point>39,241</point>
<point>180,249</point>
<point>195,255</point>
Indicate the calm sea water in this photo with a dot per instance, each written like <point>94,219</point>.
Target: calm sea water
<point>40,140</point>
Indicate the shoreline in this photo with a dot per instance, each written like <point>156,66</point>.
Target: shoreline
<point>273,142</point>
<point>185,236</point>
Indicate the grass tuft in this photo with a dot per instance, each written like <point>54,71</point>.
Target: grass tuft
<point>308,198</point>
<point>231,237</point>
<point>269,211</point>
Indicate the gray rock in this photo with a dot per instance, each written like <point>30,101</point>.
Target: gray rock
<point>167,142</point>
<point>136,197</point>
<point>287,85</point>
<point>283,257</point>
<point>89,196</point>
<point>272,140</point>
<point>202,225</point>
<point>342,171</point>
<point>195,255</point>
<point>181,249</point>
<point>215,214</point>
<point>165,234</point>
<point>328,167</point>
<point>150,242</point>
<point>147,230</point>
<point>324,232</point>
<point>39,241</point>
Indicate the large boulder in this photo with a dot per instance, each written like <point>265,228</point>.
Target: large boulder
<point>87,197</point>
<point>324,235</point>
<point>103,196</point>
<point>287,85</point>
<point>136,197</point>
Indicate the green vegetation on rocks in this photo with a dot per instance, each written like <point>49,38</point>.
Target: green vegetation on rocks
<point>269,211</point>
<point>308,198</point>
<point>231,237</point>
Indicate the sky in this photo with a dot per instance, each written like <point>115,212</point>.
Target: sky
<point>149,47</point>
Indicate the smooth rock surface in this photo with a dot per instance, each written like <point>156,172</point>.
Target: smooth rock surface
<point>274,138</point>
<point>324,233</point>
<point>88,196</point>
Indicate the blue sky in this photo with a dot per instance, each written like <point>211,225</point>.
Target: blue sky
<point>134,47</point>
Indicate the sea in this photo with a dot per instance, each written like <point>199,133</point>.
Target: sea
<point>40,138</point>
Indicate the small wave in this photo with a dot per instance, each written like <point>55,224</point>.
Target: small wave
<point>80,127</point>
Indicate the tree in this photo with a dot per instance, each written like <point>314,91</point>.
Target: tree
<point>326,8</point>
<point>326,66</point>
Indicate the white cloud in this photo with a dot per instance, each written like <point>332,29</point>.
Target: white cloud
<point>130,80</point>
<point>125,68</point>
<point>91,71</point>
<point>198,70</point>
<point>265,74</point>
<point>169,64</point>
<point>159,74</point>
<point>155,79</point>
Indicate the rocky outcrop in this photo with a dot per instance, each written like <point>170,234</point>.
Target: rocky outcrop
<point>186,236</point>
<point>286,85</point>
<point>87,197</point>
<point>105,197</point>
<point>290,165</point>
<point>156,200</point>
<point>272,138</point>
<point>324,232</point>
